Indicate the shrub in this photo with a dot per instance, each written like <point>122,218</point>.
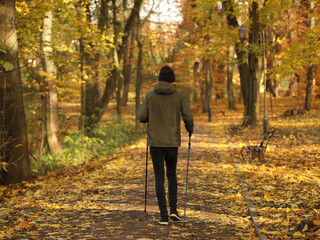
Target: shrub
<point>78,148</point>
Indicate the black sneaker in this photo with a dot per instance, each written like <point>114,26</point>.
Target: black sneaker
<point>175,217</point>
<point>164,221</point>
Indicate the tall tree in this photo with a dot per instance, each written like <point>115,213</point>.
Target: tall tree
<point>310,68</point>
<point>255,66</point>
<point>231,103</point>
<point>241,54</point>
<point>116,62</point>
<point>208,84</point>
<point>128,55</point>
<point>14,158</point>
<point>272,85</point>
<point>196,79</point>
<point>250,71</point>
<point>83,118</point>
<point>139,69</point>
<point>51,91</point>
<point>91,58</point>
<point>207,58</point>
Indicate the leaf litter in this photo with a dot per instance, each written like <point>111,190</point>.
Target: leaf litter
<point>104,199</point>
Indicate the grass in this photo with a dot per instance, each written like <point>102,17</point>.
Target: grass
<point>104,140</point>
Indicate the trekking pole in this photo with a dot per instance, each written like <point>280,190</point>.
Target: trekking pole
<point>185,201</point>
<point>146,182</point>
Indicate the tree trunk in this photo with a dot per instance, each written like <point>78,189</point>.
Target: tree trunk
<point>52,96</point>
<point>208,88</point>
<point>127,66</point>
<point>43,138</point>
<point>116,60</point>
<point>14,143</point>
<point>91,94</point>
<point>255,68</point>
<point>309,88</point>
<point>316,69</point>
<point>271,83</point>
<point>218,72</point>
<point>310,69</point>
<point>90,85</point>
<point>204,103</point>
<point>103,19</point>
<point>196,79</point>
<point>139,73</point>
<point>229,79</point>
<point>82,120</point>
<point>241,54</point>
<point>130,24</point>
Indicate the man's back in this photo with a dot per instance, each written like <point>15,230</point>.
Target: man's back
<point>161,109</point>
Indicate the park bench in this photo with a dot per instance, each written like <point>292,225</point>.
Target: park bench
<point>249,153</point>
<point>236,128</point>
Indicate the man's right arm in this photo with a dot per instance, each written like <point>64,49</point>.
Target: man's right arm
<point>143,111</point>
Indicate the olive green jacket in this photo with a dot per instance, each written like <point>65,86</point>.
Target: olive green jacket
<point>161,110</point>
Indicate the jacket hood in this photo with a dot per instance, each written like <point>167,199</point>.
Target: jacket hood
<point>164,88</point>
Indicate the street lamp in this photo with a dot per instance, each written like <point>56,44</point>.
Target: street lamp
<point>242,33</point>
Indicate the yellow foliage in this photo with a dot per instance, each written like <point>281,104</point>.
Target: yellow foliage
<point>298,235</point>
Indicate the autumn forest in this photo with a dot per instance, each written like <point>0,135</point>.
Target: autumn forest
<point>73,74</point>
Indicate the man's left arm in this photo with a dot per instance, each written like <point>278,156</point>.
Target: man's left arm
<point>186,113</point>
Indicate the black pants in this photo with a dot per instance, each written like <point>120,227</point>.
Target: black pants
<point>169,156</point>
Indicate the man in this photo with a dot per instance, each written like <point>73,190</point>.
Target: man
<point>161,109</point>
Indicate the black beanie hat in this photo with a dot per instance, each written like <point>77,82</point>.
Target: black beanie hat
<point>166,74</point>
